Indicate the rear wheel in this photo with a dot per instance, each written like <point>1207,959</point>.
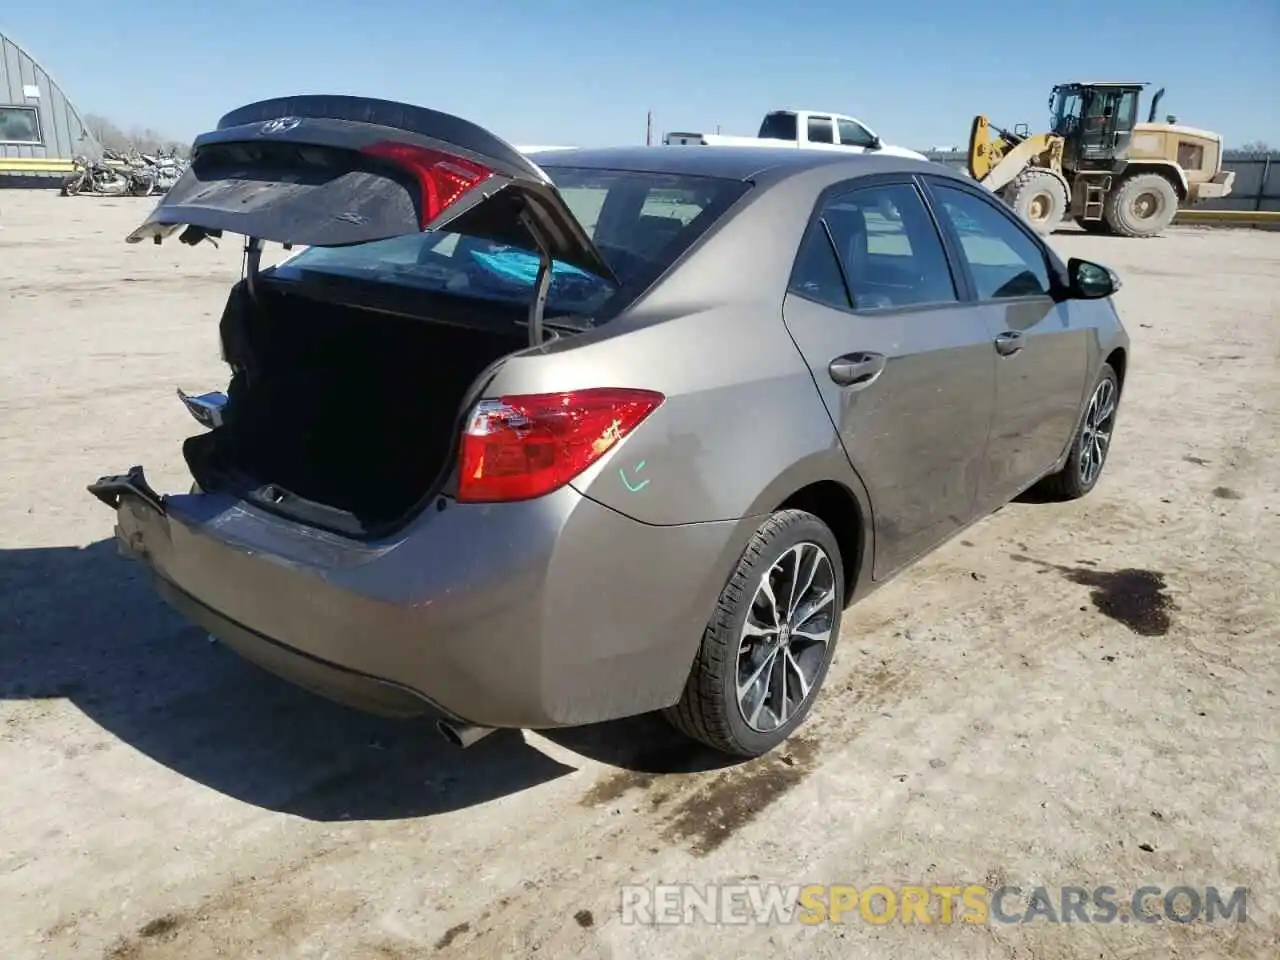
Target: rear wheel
<point>1038,197</point>
<point>767,649</point>
<point>1092,442</point>
<point>1142,206</point>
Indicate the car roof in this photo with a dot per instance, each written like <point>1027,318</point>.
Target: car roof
<point>731,163</point>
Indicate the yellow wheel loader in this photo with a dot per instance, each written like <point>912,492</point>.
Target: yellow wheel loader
<point>1097,165</point>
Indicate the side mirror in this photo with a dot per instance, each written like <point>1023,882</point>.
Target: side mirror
<point>876,142</point>
<point>1091,281</point>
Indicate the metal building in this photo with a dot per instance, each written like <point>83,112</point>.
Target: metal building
<point>40,130</point>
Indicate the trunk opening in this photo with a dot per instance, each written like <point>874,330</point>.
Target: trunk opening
<point>351,410</point>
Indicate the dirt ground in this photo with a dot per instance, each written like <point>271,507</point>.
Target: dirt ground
<point>1068,695</point>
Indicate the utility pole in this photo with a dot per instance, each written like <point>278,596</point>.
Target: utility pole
<point>648,128</point>
<point>717,129</point>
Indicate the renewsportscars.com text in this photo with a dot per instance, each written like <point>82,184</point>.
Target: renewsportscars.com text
<point>942,904</point>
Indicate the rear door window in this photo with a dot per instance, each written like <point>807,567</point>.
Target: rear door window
<point>1003,261</point>
<point>817,273</point>
<point>888,248</point>
<point>640,222</point>
<point>820,130</point>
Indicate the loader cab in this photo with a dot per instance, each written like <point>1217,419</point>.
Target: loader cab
<point>1095,120</point>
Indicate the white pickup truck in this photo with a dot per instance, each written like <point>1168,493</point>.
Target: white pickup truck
<point>809,129</point>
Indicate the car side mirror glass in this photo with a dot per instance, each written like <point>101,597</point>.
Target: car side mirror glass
<point>1091,281</point>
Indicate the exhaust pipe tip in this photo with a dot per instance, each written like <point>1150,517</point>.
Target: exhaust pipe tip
<point>462,735</point>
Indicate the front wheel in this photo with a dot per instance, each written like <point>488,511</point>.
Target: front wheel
<point>766,651</point>
<point>1039,197</point>
<point>1092,442</point>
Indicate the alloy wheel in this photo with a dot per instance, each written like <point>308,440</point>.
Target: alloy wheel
<point>785,639</point>
<point>1095,434</point>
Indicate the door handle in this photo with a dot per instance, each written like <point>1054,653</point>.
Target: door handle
<point>856,369</point>
<point>1009,343</point>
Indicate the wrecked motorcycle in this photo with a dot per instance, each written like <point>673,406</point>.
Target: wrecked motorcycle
<point>97,177</point>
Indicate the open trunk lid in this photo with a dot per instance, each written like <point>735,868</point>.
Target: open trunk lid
<point>321,170</point>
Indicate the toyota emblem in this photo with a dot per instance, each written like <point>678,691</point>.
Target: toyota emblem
<point>280,125</point>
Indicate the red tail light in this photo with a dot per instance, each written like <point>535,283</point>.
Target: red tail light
<point>442,177</point>
<point>517,448</point>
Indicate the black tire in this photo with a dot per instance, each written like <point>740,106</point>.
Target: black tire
<point>1141,206</point>
<point>709,710</point>
<point>1038,197</point>
<point>1071,482</point>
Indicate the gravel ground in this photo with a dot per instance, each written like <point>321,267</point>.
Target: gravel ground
<point>1068,695</point>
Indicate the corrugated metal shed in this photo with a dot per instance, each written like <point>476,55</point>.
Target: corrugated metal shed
<point>40,130</point>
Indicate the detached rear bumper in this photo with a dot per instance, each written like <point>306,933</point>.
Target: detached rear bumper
<point>550,612</point>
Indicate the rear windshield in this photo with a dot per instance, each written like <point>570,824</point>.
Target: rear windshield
<point>778,126</point>
<point>641,222</point>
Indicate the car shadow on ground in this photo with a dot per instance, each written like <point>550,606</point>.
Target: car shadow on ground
<point>1039,494</point>
<point>85,625</point>
<point>644,744</point>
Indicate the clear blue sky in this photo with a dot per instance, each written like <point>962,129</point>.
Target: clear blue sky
<point>575,72</point>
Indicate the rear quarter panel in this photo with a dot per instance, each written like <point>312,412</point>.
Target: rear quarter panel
<point>743,426</point>
<point>741,429</point>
